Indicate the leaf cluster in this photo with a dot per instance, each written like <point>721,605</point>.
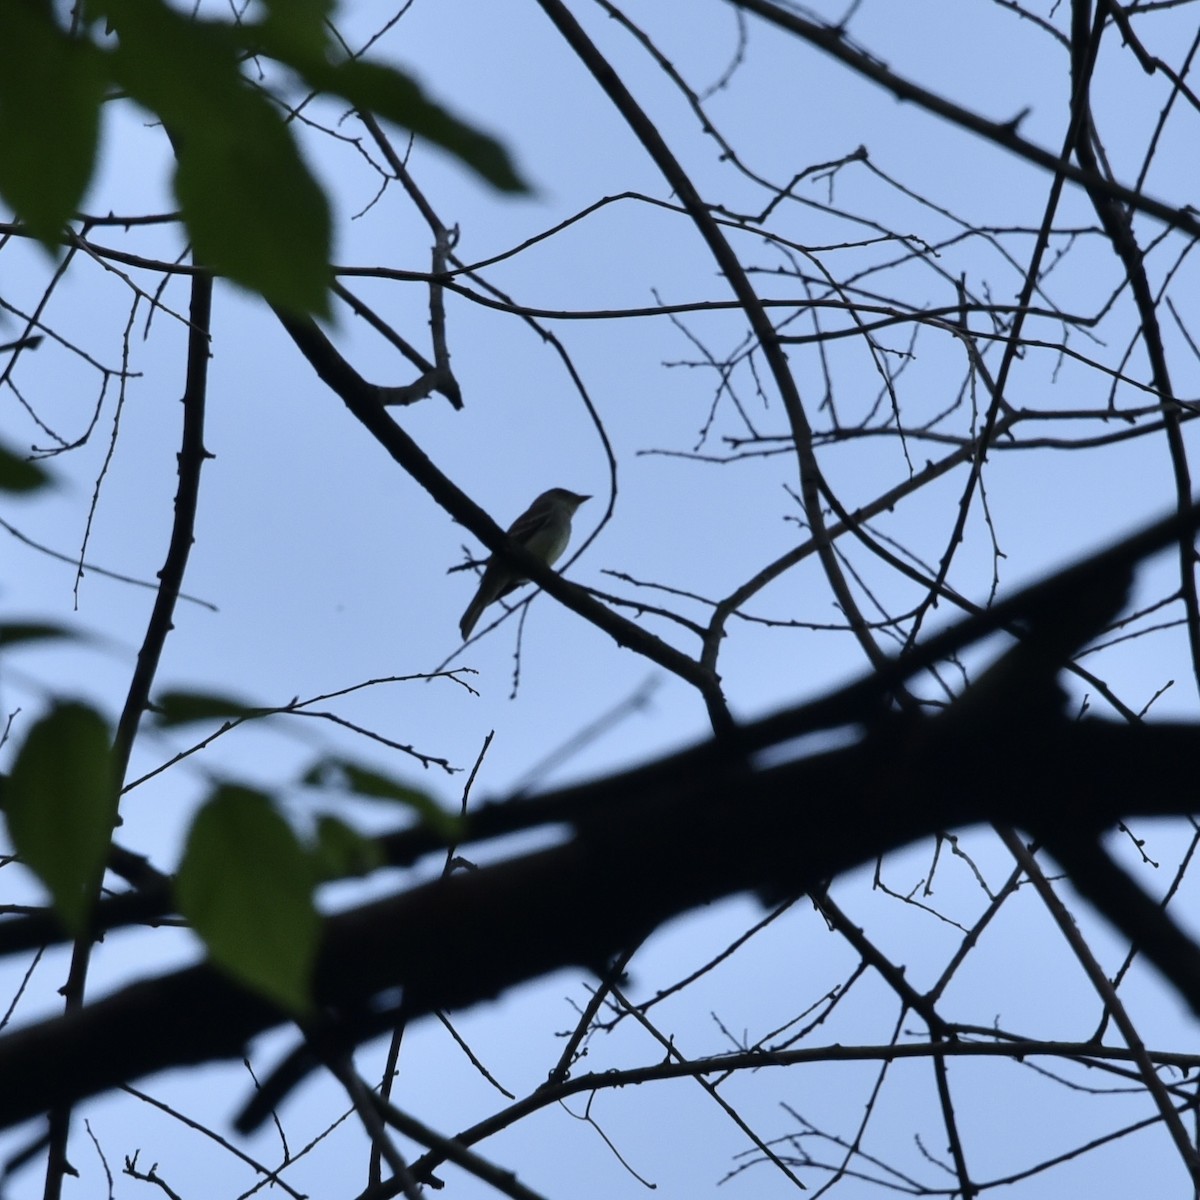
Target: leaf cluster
<point>251,205</point>
<point>247,880</point>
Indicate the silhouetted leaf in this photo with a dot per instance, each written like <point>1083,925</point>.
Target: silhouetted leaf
<point>51,86</point>
<point>344,775</point>
<point>252,207</point>
<point>13,633</point>
<point>19,475</point>
<point>297,28</point>
<point>342,851</point>
<point>397,97</point>
<point>182,708</point>
<point>246,885</point>
<point>254,211</point>
<point>59,802</point>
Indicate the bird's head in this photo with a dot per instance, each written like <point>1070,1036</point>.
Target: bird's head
<point>564,497</point>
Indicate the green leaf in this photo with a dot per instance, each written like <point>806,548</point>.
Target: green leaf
<point>51,86</point>
<point>255,213</point>
<point>20,475</point>
<point>342,851</point>
<point>253,209</point>
<point>60,806</point>
<point>341,773</point>
<point>297,28</point>
<point>246,886</point>
<point>13,633</point>
<point>166,60</point>
<point>399,98</point>
<point>183,708</point>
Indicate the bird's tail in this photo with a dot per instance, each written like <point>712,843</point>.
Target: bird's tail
<point>472,615</point>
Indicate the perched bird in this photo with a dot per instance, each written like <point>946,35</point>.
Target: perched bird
<point>543,529</point>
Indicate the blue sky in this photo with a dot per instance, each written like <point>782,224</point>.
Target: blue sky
<point>328,567</point>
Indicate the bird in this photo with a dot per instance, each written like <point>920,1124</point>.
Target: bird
<point>544,529</point>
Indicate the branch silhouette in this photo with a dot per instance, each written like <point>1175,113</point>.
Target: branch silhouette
<point>711,822</point>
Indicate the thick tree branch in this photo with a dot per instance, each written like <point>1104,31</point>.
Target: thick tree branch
<point>1077,598</point>
<point>780,830</point>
